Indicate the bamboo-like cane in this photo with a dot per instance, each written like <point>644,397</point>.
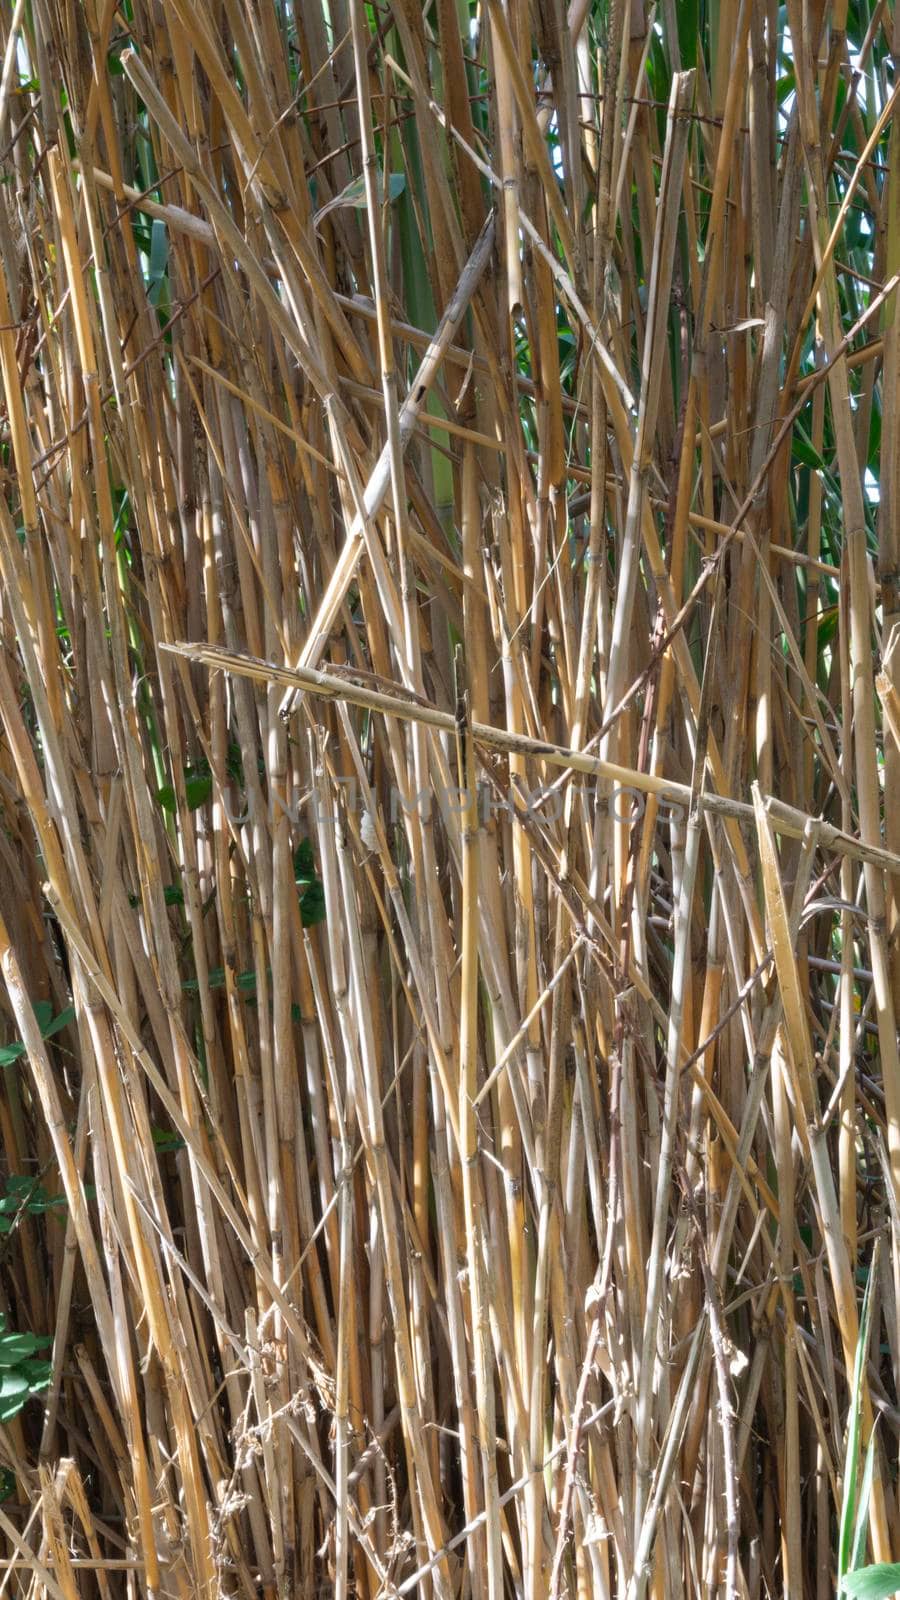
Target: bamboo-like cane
<point>449,1091</point>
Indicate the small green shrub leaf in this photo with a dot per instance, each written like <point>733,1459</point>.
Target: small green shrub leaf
<point>198,786</point>
<point>197,789</point>
<point>312,905</point>
<point>38,1373</point>
<point>20,1347</point>
<point>874,1583</point>
<point>18,1184</point>
<point>164,1140</point>
<point>304,864</point>
<point>12,1384</point>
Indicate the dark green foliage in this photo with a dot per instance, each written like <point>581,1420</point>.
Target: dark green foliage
<point>25,1196</point>
<point>312,905</point>
<point>48,1024</point>
<point>21,1373</point>
<point>198,786</point>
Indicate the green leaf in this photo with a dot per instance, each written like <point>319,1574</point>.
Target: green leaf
<point>24,1192</point>
<point>59,1022</point>
<point>38,1374</point>
<point>43,1202</point>
<point>11,1052</point>
<point>354,195</point>
<point>688,15</point>
<point>157,278</point>
<point>216,980</point>
<point>857,1554</point>
<point>874,1583</point>
<point>18,1184</point>
<point>18,1347</point>
<point>827,628</point>
<point>164,1140</point>
<point>304,865</point>
<point>312,905</point>
<point>7,1483</point>
<point>197,789</point>
<point>234,765</point>
<point>43,1011</point>
<point>13,1384</point>
<point>847,1523</point>
<point>173,894</point>
<point>803,450</point>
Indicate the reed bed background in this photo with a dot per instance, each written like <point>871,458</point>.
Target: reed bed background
<point>449,772</point>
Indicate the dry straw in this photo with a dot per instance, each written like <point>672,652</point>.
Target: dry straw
<point>449,874</point>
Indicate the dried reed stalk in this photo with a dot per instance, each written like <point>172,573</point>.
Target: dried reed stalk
<point>449,708</point>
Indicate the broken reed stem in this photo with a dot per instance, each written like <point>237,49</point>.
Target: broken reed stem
<point>787,819</point>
